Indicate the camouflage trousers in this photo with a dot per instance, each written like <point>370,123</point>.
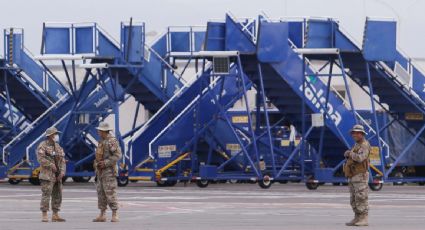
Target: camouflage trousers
<point>51,190</point>
<point>359,193</point>
<point>106,194</point>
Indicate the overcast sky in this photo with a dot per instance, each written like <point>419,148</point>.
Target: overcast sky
<point>158,14</point>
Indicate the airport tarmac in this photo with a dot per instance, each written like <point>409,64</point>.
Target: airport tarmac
<point>219,206</point>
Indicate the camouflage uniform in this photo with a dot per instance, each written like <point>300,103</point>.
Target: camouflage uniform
<point>358,182</point>
<point>109,151</point>
<point>51,154</point>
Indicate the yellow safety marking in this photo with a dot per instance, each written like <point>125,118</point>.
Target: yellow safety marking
<point>36,172</point>
<point>233,147</point>
<point>376,170</point>
<point>284,143</point>
<point>146,161</point>
<point>224,155</point>
<point>144,170</point>
<point>239,119</point>
<point>16,167</point>
<point>414,116</point>
<point>18,176</point>
<point>169,165</point>
<point>143,178</point>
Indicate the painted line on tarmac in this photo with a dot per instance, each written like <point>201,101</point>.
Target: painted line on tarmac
<point>23,195</point>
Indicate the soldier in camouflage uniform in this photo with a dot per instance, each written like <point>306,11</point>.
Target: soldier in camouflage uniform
<point>356,169</point>
<point>108,153</point>
<point>51,157</point>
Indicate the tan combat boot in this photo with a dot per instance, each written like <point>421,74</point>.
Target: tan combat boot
<point>44,217</point>
<point>353,221</point>
<point>57,218</point>
<point>115,217</point>
<point>363,220</point>
<point>101,217</point>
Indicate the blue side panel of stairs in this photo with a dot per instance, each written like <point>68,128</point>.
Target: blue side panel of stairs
<point>151,83</point>
<point>140,146</point>
<point>283,84</point>
<point>197,118</point>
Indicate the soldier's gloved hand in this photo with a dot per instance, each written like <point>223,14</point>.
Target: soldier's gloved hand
<point>54,169</point>
<point>347,153</point>
<point>101,164</point>
<point>59,179</point>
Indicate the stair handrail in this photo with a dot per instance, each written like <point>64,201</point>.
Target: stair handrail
<point>244,28</point>
<point>397,80</point>
<point>385,66</point>
<point>180,77</point>
<point>33,124</point>
<point>180,114</point>
<point>42,136</point>
<point>107,35</point>
<point>147,123</point>
<point>411,61</point>
<point>188,29</point>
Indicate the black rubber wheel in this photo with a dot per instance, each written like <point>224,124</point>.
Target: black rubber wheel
<point>14,181</point>
<point>161,183</point>
<point>202,183</point>
<point>85,179</point>
<point>311,184</point>
<point>265,183</point>
<point>79,179</point>
<point>400,176</point>
<point>122,181</point>
<point>171,183</point>
<point>375,186</point>
<point>34,181</point>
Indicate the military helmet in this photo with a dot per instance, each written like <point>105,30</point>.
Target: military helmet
<point>358,128</point>
<point>50,131</point>
<point>103,126</point>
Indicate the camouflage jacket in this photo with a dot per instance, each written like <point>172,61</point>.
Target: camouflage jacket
<point>109,151</point>
<point>50,154</point>
<point>358,161</point>
<point>360,151</point>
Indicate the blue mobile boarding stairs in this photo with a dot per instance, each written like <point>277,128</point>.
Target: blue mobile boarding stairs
<point>160,151</point>
<point>395,84</point>
<point>171,147</point>
<point>284,75</point>
<point>150,80</point>
<point>76,114</point>
<point>27,88</point>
